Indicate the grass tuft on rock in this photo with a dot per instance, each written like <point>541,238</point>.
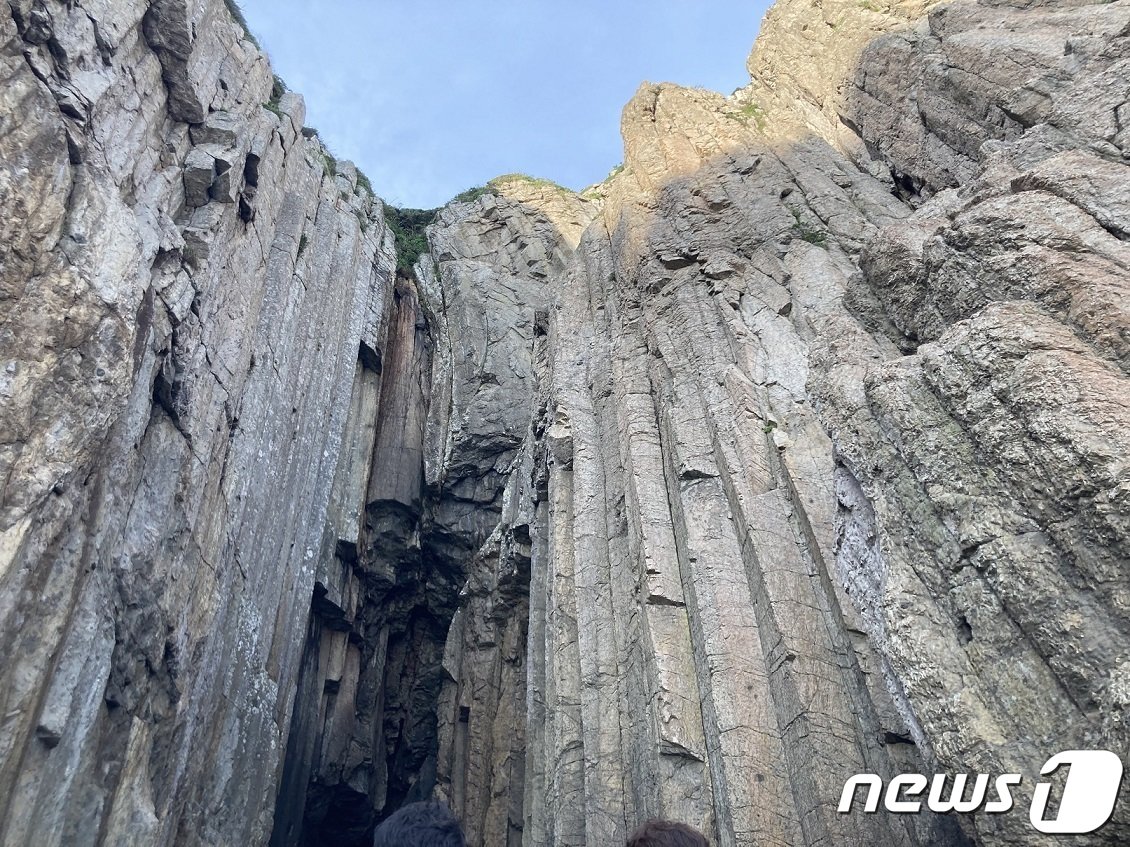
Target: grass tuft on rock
<point>472,194</point>
<point>749,113</point>
<point>364,183</point>
<point>329,162</point>
<point>278,89</point>
<point>408,226</point>
<point>238,17</point>
<point>532,180</point>
<point>807,233</point>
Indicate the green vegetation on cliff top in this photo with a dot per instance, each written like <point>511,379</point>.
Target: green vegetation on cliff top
<point>472,194</point>
<point>408,226</point>
<point>532,180</point>
<point>237,15</point>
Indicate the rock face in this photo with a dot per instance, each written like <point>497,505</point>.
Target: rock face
<point>188,290</point>
<point>794,450</point>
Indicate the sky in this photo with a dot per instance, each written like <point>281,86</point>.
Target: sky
<point>432,97</point>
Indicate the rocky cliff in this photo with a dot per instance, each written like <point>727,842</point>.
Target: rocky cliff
<point>795,449</point>
<point>191,291</point>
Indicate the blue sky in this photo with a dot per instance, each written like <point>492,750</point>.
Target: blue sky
<point>431,97</point>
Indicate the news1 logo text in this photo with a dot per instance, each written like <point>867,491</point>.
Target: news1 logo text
<point>1087,802</point>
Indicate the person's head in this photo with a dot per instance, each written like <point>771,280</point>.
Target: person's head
<point>425,824</point>
<point>667,834</point>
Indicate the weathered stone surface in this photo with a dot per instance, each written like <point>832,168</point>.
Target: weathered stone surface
<point>176,386</point>
<point>794,450</point>
<point>929,97</point>
<point>831,481</point>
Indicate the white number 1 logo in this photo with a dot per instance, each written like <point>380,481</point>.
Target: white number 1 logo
<point>1088,797</point>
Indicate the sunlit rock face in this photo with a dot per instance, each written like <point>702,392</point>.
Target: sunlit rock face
<point>794,450</point>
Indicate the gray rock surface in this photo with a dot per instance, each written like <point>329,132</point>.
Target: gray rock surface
<point>185,293</point>
<point>835,406</point>
<point>795,449</point>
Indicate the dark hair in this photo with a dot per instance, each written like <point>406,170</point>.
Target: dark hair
<point>656,833</point>
<point>424,824</point>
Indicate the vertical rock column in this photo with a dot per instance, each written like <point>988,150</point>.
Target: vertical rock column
<point>499,262</point>
<point>186,284</point>
<point>361,719</point>
<point>698,662</point>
